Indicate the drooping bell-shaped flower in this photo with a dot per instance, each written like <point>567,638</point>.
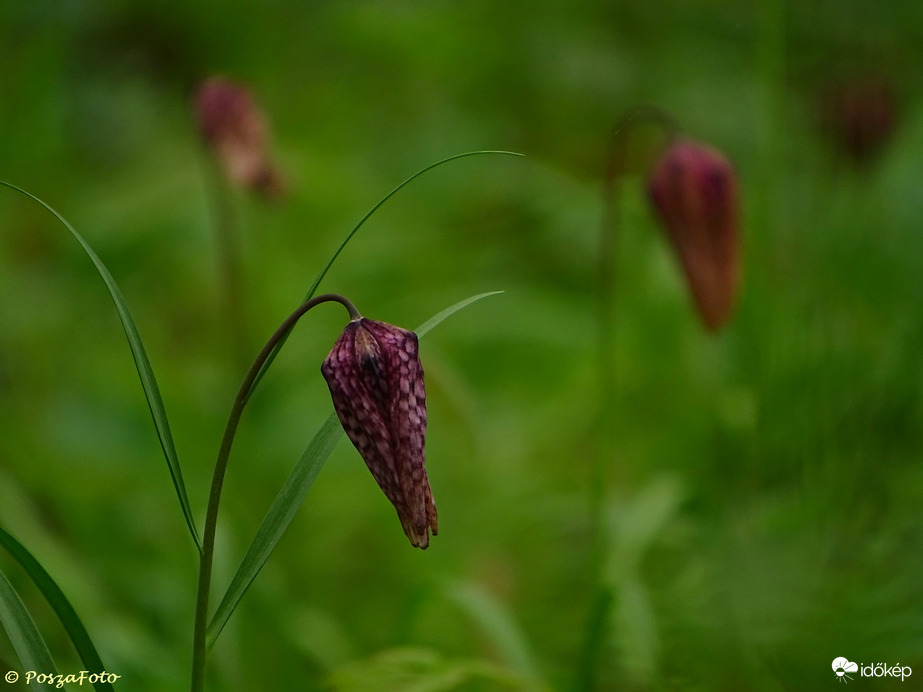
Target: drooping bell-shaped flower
<point>231,123</point>
<point>376,382</point>
<point>694,191</point>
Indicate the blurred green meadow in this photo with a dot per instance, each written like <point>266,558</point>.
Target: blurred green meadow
<point>765,484</point>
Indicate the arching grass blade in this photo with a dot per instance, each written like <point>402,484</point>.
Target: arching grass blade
<point>275,522</point>
<point>61,606</point>
<point>349,236</point>
<point>142,364</point>
<point>23,634</point>
<point>435,320</point>
<point>320,277</point>
<point>498,624</point>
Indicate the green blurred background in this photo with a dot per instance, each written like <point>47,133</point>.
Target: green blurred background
<point>766,483</point>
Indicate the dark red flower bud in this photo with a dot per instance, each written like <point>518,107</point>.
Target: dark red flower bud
<point>376,382</point>
<point>861,115</point>
<point>234,126</point>
<point>694,191</point>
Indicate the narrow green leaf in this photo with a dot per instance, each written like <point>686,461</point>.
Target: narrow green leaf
<point>142,364</point>
<point>278,518</point>
<point>349,236</point>
<point>434,321</point>
<point>323,273</point>
<point>634,631</point>
<point>62,607</point>
<point>291,496</point>
<point>424,670</point>
<point>23,634</point>
<point>498,624</point>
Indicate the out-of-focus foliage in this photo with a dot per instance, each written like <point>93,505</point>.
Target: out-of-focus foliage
<point>765,483</point>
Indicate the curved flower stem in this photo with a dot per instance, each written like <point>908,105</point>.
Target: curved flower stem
<point>616,168</point>
<point>617,164</point>
<point>349,236</point>
<point>211,516</point>
<point>228,264</point>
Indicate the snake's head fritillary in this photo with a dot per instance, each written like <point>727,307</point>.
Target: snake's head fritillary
<point>376,383</point>
<point>694,191</point>
<point>233,125</point>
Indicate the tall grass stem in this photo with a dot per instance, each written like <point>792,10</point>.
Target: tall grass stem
<point>227,258</point>
<point>617,165</point>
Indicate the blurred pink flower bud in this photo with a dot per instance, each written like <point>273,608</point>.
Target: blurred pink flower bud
<point>694,191</point>
<point>232,124</point>
<point>376,382</point>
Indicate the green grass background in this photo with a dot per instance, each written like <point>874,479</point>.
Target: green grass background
<point>766,483</point>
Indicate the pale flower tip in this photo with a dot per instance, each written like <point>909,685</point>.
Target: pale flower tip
<point>418,538</point>
<point>418,532</point>
<point>431,514</point>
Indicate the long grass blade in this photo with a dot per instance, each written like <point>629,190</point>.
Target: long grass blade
<point>142,364</point>
<point>61,606</point>
<point>435,320</point>
<point>349,236</point>
<point>278,518</point>
<point>291,497</point>
<point>425,670</point>
<point>24,635</point>
<point>498,624</point>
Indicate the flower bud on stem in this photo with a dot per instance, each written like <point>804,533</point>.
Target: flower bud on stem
<point>693,190</point>
<point>376,383</point>
<point>206,557</point>
<point>618,162</point>
<point>235,133</point>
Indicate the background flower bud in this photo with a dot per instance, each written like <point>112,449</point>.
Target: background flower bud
<point>232,124</point>
<point>376,383</point>
<point>861,116</point>
<point>694,192</point>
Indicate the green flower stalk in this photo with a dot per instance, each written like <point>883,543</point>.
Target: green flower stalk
<point>376,383</point>
<point>207,555</point>
<point>235,132</point>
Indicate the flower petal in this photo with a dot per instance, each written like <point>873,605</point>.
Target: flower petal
<point>376,383</point>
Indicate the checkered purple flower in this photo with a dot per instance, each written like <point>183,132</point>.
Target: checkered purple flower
<point>376,382</point>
